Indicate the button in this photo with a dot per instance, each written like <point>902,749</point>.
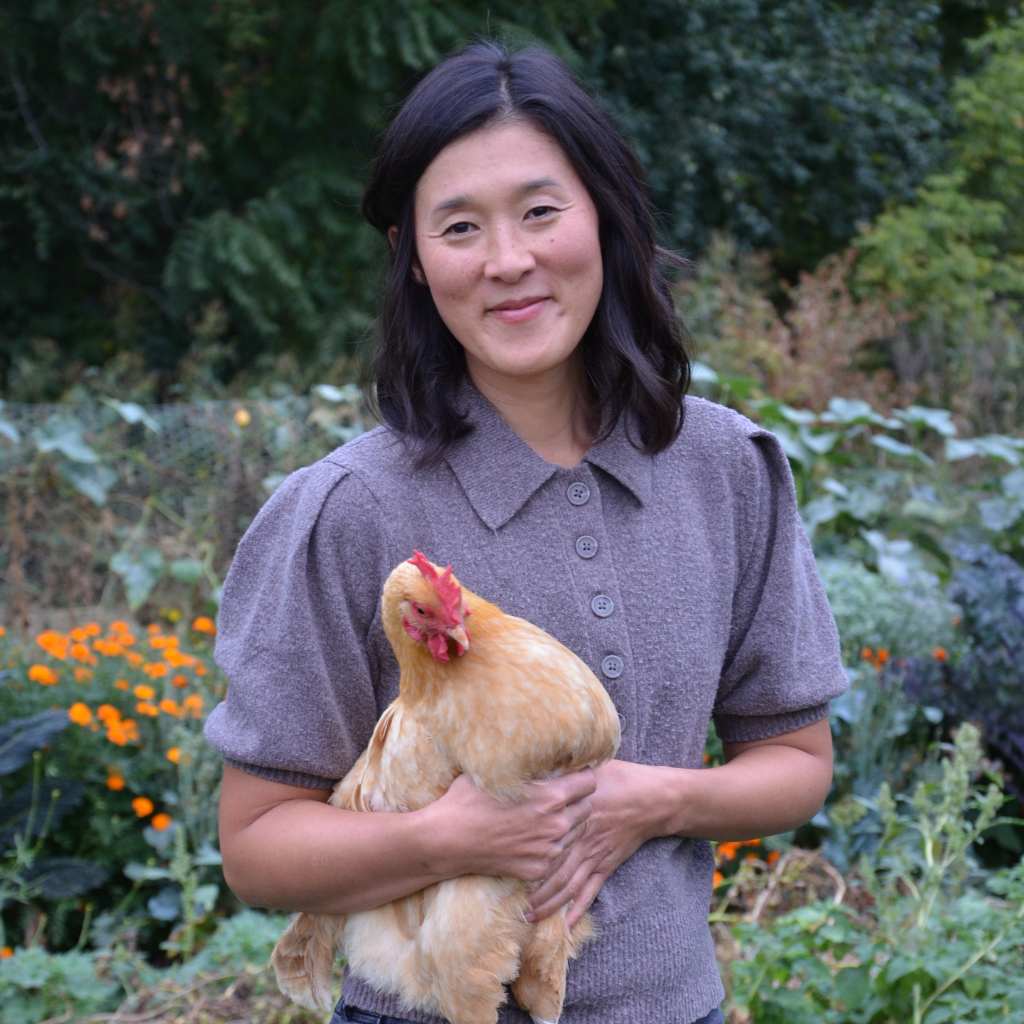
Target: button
<point>586,546</point>
<point>612,666</point>
<point>602,606</point>
<point>578,493</point>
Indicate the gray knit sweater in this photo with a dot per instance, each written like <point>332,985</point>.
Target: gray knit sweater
<point>684,580</point>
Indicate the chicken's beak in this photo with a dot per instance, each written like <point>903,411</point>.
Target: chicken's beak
<point>460,636</point>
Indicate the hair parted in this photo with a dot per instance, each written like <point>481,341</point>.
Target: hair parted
<point>633,351</point>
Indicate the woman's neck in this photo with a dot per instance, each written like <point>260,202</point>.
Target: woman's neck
<point>549,414</point>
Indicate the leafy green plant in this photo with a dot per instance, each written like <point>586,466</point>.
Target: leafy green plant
<point>934,941</point>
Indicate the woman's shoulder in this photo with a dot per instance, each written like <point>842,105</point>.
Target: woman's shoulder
<point>714,430</point>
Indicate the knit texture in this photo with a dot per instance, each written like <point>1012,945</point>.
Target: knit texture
<point>706,590</point>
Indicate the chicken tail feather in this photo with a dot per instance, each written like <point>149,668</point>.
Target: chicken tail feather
<point>304,957</point>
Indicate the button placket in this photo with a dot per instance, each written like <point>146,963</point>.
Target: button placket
<point>596,582</point>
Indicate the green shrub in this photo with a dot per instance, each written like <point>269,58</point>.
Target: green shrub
<point>935,942</point>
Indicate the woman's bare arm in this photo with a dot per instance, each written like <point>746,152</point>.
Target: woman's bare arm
<point>285,847</point>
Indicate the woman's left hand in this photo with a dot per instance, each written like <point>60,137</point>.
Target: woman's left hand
<point>623,816</point>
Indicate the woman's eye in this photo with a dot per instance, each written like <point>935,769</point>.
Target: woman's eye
<point>460,228</point>
<point>542,211</point>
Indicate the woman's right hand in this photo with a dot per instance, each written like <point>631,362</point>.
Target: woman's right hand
<point>472,833</point>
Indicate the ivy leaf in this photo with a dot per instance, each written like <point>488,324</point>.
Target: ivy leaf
<point>939,420</point>
<point>701,373</point>
<point>996,446</point>
<point>895,447</point>
<point>94,481</point>
<point>186,570</point>
<point>139,573</point>
<point>166,904</point>
<point>64,435</point>
<point>131,412</point>
<point>146,872</point>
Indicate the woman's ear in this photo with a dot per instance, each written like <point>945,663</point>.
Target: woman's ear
<point>417,272</point>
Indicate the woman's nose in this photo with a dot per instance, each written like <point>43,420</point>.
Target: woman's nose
<point>508,255</point>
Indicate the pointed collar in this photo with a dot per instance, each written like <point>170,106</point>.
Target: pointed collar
<point>499,472</point>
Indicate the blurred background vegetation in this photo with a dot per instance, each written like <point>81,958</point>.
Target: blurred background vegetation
<point>179,183</point>
<point>186,297</point>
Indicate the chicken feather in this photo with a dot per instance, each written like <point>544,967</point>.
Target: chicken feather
<point>512,705</point>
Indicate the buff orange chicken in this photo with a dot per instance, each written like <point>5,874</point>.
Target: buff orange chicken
<point>494,697</point>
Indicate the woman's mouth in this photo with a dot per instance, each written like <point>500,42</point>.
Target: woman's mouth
<point>519,314</point>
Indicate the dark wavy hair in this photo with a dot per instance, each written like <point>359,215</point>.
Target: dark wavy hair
<point>633,350</point>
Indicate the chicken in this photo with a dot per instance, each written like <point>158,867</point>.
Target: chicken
<point>495,697</point>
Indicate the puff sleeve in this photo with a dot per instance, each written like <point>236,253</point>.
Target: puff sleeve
<point>782,664</point>
<point>293,631</point>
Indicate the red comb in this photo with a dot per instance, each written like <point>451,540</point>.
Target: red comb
<point>445,587</point>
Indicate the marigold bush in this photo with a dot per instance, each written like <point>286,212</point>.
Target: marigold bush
<point>130,763</point>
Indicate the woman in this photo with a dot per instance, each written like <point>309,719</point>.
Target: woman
<point>530,376</point>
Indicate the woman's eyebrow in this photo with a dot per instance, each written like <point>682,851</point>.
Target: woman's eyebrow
<point>457,202</point>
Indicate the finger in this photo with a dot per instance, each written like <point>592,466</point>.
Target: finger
<point>568,884</point>
<point>581,904</point>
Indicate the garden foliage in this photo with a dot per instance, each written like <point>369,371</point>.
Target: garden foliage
<point>191,173</point>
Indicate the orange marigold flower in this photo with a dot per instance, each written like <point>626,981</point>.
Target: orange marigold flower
<point>773,856</point>
<point>158,642</point>
<point>939,654</point>
<point>142,806</point>
<point>107,713</point>
<point>131,729</point>
<point>199,668</point>
<point>42,674</point>
<point>155,669</point>
<point>145,708</point>
<point>170,707</point>
<point>881,657</point>
<point>134,658</point>
<point>153,628</point>
<point>79,635</point>
<point>161,821</point>
<point>79,713</point>
<point>144,692</point>
<point>92,629</point>
<point>117,733</point>
<point>6,952</point>
<point>82,675</point>
<point>125,639</point>
<point>717,879</point>
<point>194,703</point>
<point>108,648</point>
<point>115,781</point>
<point>174,755</point>
<point>122,684</point>
<point>3,632</point>
<point>176,659</point>
<point>204,624</point>
<point>728,850</point>
<point>866,653</point>
<point>81,652</point>
<point>120,626</point>
<point>179,680</point>
<point>55,644</point>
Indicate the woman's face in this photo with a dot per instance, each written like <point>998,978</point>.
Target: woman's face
<point>507,239</point>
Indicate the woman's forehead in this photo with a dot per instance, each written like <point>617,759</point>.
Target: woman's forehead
<point>509,158</point>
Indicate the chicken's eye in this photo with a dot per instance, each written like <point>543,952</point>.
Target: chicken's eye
<point>419,609</point>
